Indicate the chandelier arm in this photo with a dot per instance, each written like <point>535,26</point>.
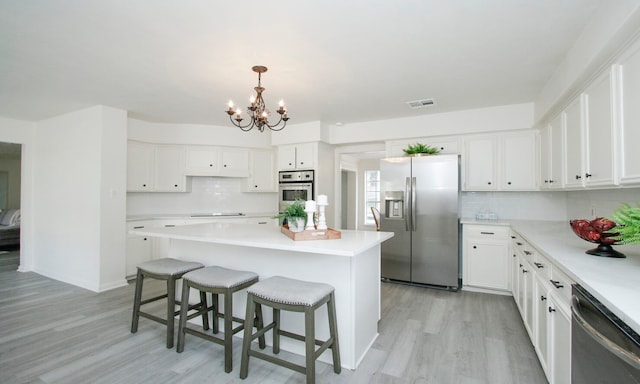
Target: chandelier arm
<point>273,126</point>
<point>246,127</point>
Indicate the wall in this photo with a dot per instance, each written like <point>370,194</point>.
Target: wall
<point>507,117</point>
<point>208,194</point>
<point>515,205</point>
<point>79,198</point>
<point>599,203</point>
<point>23,132</point>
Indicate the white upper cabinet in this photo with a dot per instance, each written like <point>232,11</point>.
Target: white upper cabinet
<point>234,162</point>
<point>169,169</point>
<point>600,133</point>
<point>629,94</point>
<point>480,163</point>
<point>262,173</point>
<point>573,170</point>
<point>505,161</point>
<point>298,156</point>
<point>519,161</point>
<point>551,159</point>
<point>201,161</point>
<point>140,160</point>
<point>446,145</point>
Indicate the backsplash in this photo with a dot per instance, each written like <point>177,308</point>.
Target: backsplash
<point>515,205</point>
<point>208,194</point>
<point>581,203</point>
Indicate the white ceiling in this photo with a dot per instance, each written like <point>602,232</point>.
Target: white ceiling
<point>332,60</point>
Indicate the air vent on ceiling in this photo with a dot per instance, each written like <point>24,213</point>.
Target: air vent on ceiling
<point>421,103</point>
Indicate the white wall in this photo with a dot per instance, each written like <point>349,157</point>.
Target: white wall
<point>507,117</point>
<point>614,25</point>
<point>23,132</point>
<point>580,204</point>
<point>79,198</point>
<point>515,205</point>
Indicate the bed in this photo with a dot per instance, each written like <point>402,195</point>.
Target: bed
<point>10,228</point>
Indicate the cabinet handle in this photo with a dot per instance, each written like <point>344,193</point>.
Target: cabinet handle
<point>169,225</point>
<point>513,237</point>
<point>542,298</point>
<point>538,265</point>
<point>508,183</point>
<point>489,183</point>
<point>139,227</point>
<point>145,239</point>
<point>550,181</point>
<point>262,222</point>
<point>546,181</point>
<point>518,243</point>
<point>587,175</point>
<point>255,186</point>
<point>225,165</point>
<point>175,185</point>
<point>578,177</point>
<point>302,163</point>
<point>442,148</point>
<point>144,185</point>
<point>514,255</point>
<point>524,271</point>
<point>556,284</point>
<point>520,265</point>
<point>487,233</point>
<point>211,165</point>
<point>474,247</point>
<point>551,309</point>
<point>528,253</point>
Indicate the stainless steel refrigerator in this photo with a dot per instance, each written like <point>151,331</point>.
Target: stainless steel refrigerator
<point>420,204</point>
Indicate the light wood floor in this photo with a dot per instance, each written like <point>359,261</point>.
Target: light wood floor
<point>51,332</point>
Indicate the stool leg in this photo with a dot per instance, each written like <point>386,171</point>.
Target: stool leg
<point>259,324</point>
<point>246,340</point>
<point>228,330</point>
<point>203,307</point>
<point>276,331</point>
<point>171,309</point>
<point>182,324</point>
<point>310,344</point>
<point>333,333</point>
<point>216,312</point>
<point>137,298</point>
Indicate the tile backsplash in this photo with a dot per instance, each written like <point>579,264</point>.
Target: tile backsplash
<point>208,194</point>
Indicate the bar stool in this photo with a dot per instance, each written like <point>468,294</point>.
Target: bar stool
<point>170,270</point>
<point>218,281</point>
<point>281,293</point>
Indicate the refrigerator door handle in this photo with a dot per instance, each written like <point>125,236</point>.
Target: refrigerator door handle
<point>407,199</point>
<point>413,204</point>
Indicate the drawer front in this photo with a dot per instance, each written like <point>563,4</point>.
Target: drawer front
<point>497,232</point>
<point>561,285</point>
<point>542,265</point>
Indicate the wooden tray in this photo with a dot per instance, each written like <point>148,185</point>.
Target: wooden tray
<point>327,234</point>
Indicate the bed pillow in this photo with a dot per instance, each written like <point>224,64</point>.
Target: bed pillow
<point>10,217</point>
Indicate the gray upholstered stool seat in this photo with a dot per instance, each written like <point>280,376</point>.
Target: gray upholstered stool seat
<point>162,269</point>
<point>224,281</point>
<point>282,293</point>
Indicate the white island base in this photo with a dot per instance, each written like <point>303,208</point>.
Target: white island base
<point>350,264</point>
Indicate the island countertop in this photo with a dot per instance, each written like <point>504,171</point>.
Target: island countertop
<point>269,237</point>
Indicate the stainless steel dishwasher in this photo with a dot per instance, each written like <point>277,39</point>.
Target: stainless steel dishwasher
<point>603,348</point>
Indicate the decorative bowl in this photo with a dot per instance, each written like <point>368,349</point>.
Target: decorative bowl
<point>597,231</point>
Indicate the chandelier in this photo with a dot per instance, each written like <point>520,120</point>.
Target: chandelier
<point>257,110</point>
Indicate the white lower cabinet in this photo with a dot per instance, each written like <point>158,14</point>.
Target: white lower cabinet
<point>138,248</point>
<point>543,296</point>
<point>486,258</point>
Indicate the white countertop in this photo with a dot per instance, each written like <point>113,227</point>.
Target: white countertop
<point>199,215</point>
<point>615,282</point>
<point>352,243</point>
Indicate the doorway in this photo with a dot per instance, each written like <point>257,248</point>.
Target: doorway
<point>349,201</point>
<point>10,192</point>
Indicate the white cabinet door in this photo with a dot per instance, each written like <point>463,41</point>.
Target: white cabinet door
<point>629,94</point>
<point>480,163</point>
<point>287,157</point>
<point>140,160</point>
<point>234,163</point>
<point>560,341</point>
<point>519,159</point>
<point>201,161</point>
<point>305,156</point>
<point>486,258</point>
<point>600,132</point>
<point>556,175</point>
<point>541,341</point>
<point>262,174</point>
<point>573,145</point>
<point>545,157</point>
<point>169,169</point>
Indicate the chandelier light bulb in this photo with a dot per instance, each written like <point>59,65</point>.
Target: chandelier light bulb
<point>230,104</point>
<point>238,111</point>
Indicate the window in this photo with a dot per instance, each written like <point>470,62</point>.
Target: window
<point>371,194</point>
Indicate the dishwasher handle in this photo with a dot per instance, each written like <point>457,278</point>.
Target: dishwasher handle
<point>612,347</point>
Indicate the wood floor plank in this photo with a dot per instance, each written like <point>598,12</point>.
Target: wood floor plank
<point>51,332</point>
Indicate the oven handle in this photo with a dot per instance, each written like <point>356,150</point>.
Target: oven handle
<point>612,347</point>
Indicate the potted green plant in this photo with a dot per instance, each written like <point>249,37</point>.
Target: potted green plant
<point>420,149</point>
<point>628,229</point>
<point>295,215</point>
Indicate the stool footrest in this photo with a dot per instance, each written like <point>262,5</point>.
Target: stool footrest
<point>153,317</point>
<point>324,345</point>
<point>152,299</point>
<point>277,360</point>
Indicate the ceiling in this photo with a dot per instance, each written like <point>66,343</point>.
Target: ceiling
<point>336,61</point>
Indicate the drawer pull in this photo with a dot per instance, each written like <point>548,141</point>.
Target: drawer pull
<point>528,253</point>
<point>169,225</point>
<point>262,222</point>
<point>518,243</point>
<point>539,265</point>
<point>551,309</point>
<point>524,271</point>
<point>542,298</point>
<point>487,233</point>
<point>139,227</point>
<point>556,284</point>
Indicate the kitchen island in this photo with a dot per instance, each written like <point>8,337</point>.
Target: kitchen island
<point>351,264</point>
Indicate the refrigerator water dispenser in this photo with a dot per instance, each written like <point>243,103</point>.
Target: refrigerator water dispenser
<point>394,205</point>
